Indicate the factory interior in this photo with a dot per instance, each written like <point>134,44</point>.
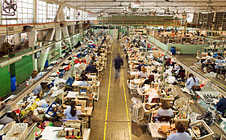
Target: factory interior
<point>113,70</point>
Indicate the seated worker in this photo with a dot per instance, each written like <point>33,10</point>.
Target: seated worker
<point>141,64</point>
<point>220,60</point>
<point>84,83</point>
<point>192,81</point>
<point>150,79</point>
<point>168,62</point>
<point>71,112</point>
<point>91,68</point>
<point>180,134</point>
<point>164,111</point>
<point>143,73</point>
<point>221,105</point>
<point>206,62</point>
<point>180,72</point>
<point>34,76</point>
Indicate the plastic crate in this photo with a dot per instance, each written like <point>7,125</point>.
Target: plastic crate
<point>49,110</point>
<point>70,81</point>
<point>209,136</point>
<point>20,129</point>
<point>31,108</point>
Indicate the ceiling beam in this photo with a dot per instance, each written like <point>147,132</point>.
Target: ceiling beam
<point>194,1</point>
<point>113,6</point>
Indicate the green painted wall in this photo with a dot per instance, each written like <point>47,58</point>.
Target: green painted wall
<point>186,49</point>
<point>158,43</point>
<point>5,87</point>
<point>183,48</point>
<point>22,69</point>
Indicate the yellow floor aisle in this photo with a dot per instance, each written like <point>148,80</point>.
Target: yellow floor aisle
<point>116,125</point>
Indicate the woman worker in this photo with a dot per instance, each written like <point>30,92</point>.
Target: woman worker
<point>180,134</point>
<point>164,111</point>
<point>150,79</point>
<point>192,81</point>
<point>143,73</point>
<point>71,112</point>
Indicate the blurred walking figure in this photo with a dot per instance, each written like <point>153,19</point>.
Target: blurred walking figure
<point>118,62</point>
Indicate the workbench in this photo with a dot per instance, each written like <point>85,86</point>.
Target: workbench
<point>50,133</point>
<point>153,129</point>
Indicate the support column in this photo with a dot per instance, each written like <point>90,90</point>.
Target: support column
<point>17,38</point>
<point>45,52</point>
<point>66,34</point>
<point>32,39</point>
<point>40,35</point>
<point>58,36</point>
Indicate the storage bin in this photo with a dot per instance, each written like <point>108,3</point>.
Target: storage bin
<point>13,83</point>
<point>70,81</point>
<point>18,132</point>
<point>47,63</point>
<point>173,50</point>
<point>50,112</point>
<point>209,136</point>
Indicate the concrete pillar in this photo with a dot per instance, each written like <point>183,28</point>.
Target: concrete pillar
<point>65,31</point>
<point>72,29</point>
<point>17,38</point>
<point>58,36</point>
<point>32,38</point>
<point>45,52</point>
<point>66,34</point>
<point>40,35</point>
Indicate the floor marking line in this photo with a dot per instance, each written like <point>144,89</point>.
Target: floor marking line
<point>127,112</point>
<point>109,85</point>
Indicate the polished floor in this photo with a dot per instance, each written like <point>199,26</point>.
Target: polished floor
<point>118,124</point>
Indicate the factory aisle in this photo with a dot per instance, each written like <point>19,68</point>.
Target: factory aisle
<point>117,124</point>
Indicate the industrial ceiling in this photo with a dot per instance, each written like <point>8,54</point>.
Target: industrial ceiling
<point>145,6</point>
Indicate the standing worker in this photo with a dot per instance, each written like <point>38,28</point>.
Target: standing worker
<point>118,62</point>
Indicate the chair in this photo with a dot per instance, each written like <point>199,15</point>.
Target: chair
<point>164,118</point>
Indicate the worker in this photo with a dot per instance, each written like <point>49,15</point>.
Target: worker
<point>192,81</point>
<point>180,134</point>
<point>168,61</point>
<point>118,62</point>
<point>141,64</point>
<point>164,111</point>
<point>91,68</point>
<point>150,79</point>
<point>220,60</point>
<point>221,105</point>
<point>71,112</point>
<point>143,73</point>
<point>34,77</point>
<point>84,83</point>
